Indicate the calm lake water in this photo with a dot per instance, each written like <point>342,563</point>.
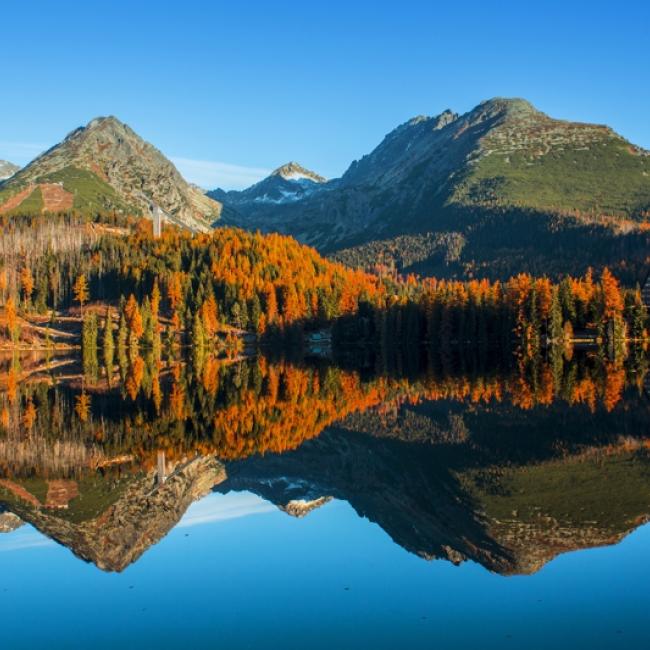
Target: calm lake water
<point>274,504</point>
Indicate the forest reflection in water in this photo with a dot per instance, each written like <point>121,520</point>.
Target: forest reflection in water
<point>507,468</point>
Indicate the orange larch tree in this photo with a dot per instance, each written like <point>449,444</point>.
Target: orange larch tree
<point>27,284</point>
<point>81,292</point>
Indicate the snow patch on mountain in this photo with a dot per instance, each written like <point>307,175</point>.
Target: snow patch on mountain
<point>287,184</point>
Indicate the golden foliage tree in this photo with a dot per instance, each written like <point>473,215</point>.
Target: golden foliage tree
<point>81,291</point>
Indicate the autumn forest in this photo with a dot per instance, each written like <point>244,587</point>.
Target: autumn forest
<point>112,286</point>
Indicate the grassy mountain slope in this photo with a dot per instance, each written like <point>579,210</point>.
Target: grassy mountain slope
<point>531,160</point>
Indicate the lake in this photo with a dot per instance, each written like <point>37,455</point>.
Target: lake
<point>274,503</point>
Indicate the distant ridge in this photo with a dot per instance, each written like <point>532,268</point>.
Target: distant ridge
<point>286,184</point>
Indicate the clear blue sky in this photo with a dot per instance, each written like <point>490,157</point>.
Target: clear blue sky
<point>229,90</point>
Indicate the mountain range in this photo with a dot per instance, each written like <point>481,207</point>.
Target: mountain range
<point>500,189</point>
<point>503,153</point>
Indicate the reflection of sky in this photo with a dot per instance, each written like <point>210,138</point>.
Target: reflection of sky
<point>219,507</point>
<point>23,538</point>
<point>331,579</point>
<point>213,508</point>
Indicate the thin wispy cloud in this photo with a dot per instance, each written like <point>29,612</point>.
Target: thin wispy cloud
<point>222,507</point>
<point>19,540</point>
<point>20,153</point>
<point>210,174</point>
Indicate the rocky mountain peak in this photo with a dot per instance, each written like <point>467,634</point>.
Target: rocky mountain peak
<point>418,119</point>
<point>503,110</point>
<point>293,171</point>
<point>109,120</point>
<point>430,174</point>
<point>110,125</point>
<point>508,105</point>
<point>107,130</point>
<point>108,167</point>
<point>7,169</point>
<point>436,122</point>
<point>9,522</point>
<point>445,118</point>
<point>286,184</point>
<point>144,513</point>
<point>302,507</point>
<point>103,122</point>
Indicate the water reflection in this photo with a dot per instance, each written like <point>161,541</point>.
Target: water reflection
<point>507,468</point>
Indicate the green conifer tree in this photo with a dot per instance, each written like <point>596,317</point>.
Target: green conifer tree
<point>198,340</point>
<point>556,333</point>
<point>89,344</point>
<point>108,342</point>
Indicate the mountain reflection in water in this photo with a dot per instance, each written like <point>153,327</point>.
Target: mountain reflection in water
<point>508,468</point>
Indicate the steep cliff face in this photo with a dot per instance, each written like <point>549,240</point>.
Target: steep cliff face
<point>142,515</point>
<point>102,167</point>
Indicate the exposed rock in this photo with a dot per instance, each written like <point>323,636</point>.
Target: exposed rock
<point>9,522</point>
<point>534,545</point>
<point>294,171</point>
<point>301,507</point>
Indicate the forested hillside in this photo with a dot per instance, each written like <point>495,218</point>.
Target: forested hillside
<point>249,281</point>
<point>192,285</point>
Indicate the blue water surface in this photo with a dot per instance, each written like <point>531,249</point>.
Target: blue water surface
<point>238,573</point>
